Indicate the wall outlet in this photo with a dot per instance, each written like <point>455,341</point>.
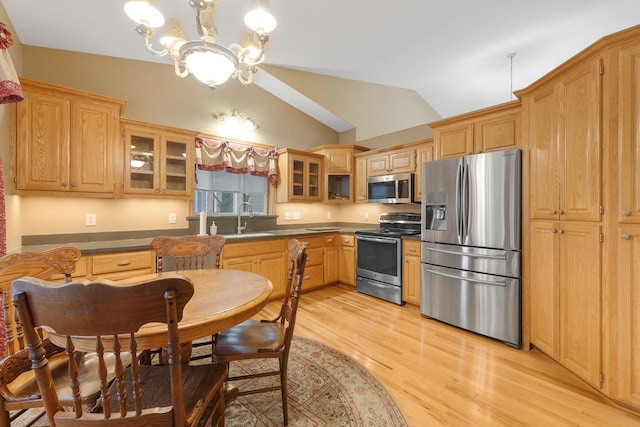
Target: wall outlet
<point>328,214</point>
<point>366,216</point>
<point>287,216</point>
<point>172,218</point>
<point>90,220</point>
<point>295,215</point>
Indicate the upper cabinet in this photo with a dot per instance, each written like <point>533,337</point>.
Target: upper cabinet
<point>300,175</point>
<point>424,153</point>
<point>66,142</point>
<point>392,162</point>
<point>491,129</point>
<point>565,145</point>
<point>159,161</point>
<point>338,171</point>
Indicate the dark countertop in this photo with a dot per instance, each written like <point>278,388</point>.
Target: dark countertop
<point>144,243</point>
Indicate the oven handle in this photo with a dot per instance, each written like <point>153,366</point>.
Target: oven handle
<point>444,251</point>
<point>376,239</point>
<point>481,281</point>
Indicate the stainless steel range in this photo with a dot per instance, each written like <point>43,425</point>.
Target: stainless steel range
<point>379,255</point>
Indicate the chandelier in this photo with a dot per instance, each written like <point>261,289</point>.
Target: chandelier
<point>208,61</point>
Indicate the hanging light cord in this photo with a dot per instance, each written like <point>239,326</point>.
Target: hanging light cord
<point>510,56</point>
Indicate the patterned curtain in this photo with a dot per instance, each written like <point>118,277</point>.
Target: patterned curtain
<point>10,91</point>
<point>216,155</point>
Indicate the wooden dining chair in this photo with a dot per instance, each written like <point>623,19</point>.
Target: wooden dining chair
<point>18,388</point>
<point>266,339</point>
<point>108,315</point>
<point>188,253</point>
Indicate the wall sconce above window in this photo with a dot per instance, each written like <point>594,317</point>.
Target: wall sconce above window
<point>237,122</point>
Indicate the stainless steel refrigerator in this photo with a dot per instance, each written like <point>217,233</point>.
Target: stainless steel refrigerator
<point>471,243</point>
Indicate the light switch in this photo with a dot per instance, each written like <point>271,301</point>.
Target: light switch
<point>295,215</point>
<point>287,216</point>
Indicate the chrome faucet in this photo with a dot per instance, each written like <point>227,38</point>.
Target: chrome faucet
<point>240,227</point>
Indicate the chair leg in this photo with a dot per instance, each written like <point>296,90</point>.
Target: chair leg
<point>5,421</point>
<point>284,390</point>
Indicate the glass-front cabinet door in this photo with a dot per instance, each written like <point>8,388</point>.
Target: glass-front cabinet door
<point>313,179</point>
<point>177,171</point>
<point>141,164</point>
<point>157,161</point>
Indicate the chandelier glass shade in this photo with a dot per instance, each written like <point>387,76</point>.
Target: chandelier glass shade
<point>208,61</point>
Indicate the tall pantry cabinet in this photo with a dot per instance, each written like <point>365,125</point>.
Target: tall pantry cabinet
<point>581,130</point>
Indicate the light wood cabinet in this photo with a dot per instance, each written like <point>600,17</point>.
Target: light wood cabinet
<point>330,259</point>
<point>361,180</point>
<point>565,148</point>
<point>159,161</point>
<point>121,265</point>
<point>411,271</point>
<point>300,175</point>
<point>628,173</point>
<point>338,171</point>
<point>425,153</point>
<point>627,344</point>
<point>397,161</point>
<point>565,289</point>
<point>454,140</point>
<point>490,129</point>
<point>347,259</point>
<point>66,142</point>
<point>314,268</point>
<point>266,257</point>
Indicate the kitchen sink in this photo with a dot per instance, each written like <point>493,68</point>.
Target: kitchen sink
<point>249,234</point>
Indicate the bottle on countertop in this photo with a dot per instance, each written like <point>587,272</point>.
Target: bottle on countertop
<point>213,229</point>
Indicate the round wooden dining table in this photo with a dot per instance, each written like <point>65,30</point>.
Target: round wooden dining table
<point>221,299</point>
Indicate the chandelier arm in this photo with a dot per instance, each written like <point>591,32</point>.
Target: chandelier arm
<point>245,79</point>
<point>150,49</point>
<point>180,69</point>
<point>204,23</point>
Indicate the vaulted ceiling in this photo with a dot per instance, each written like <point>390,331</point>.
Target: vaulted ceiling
<point>454,53</point>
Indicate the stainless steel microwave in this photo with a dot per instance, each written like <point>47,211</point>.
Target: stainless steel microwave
<point>390,188</point>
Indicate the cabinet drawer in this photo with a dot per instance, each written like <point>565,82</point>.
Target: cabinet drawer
<point>411,248</point>
<point>312,242</point>
<point>234,250</point>
<point>125,261</point>
<point>348,240</point>
<point>315,256</point>
<point>313,277</point>
<point>330,241</point>
<point>80,273</point>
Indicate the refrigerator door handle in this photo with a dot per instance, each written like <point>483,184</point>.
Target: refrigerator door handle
<point>465,201</point>
<point>467,279</point>
<point>458,202</point>
<point>444,251</point>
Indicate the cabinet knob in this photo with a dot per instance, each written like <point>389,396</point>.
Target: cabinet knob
<point>74,185</point>
<point>554,231</point>
<point>561,231</point>
<point>554,212</point>
<point>625,236</point>
<point>561,212</point>
<point>64,184</point>
<point>626,213</point>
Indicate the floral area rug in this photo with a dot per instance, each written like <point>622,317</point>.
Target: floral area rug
<point>326,389</point>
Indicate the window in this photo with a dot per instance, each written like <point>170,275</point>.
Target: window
<point>221,192</point>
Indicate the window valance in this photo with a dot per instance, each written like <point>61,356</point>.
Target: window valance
<point>216,155</point>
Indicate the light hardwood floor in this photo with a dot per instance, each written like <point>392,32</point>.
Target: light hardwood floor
<point>442,376</point>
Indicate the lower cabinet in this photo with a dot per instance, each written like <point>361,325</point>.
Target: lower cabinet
<point>626,311</point>
<point>265,257</point>
<point>314,268</point>
<point>565,293</point>
<point>330,259</point>
<point>347,259</point>
<point>115,265</point>
<point>411,271</point>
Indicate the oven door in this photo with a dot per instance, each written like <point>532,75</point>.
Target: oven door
<point>379,258</point>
